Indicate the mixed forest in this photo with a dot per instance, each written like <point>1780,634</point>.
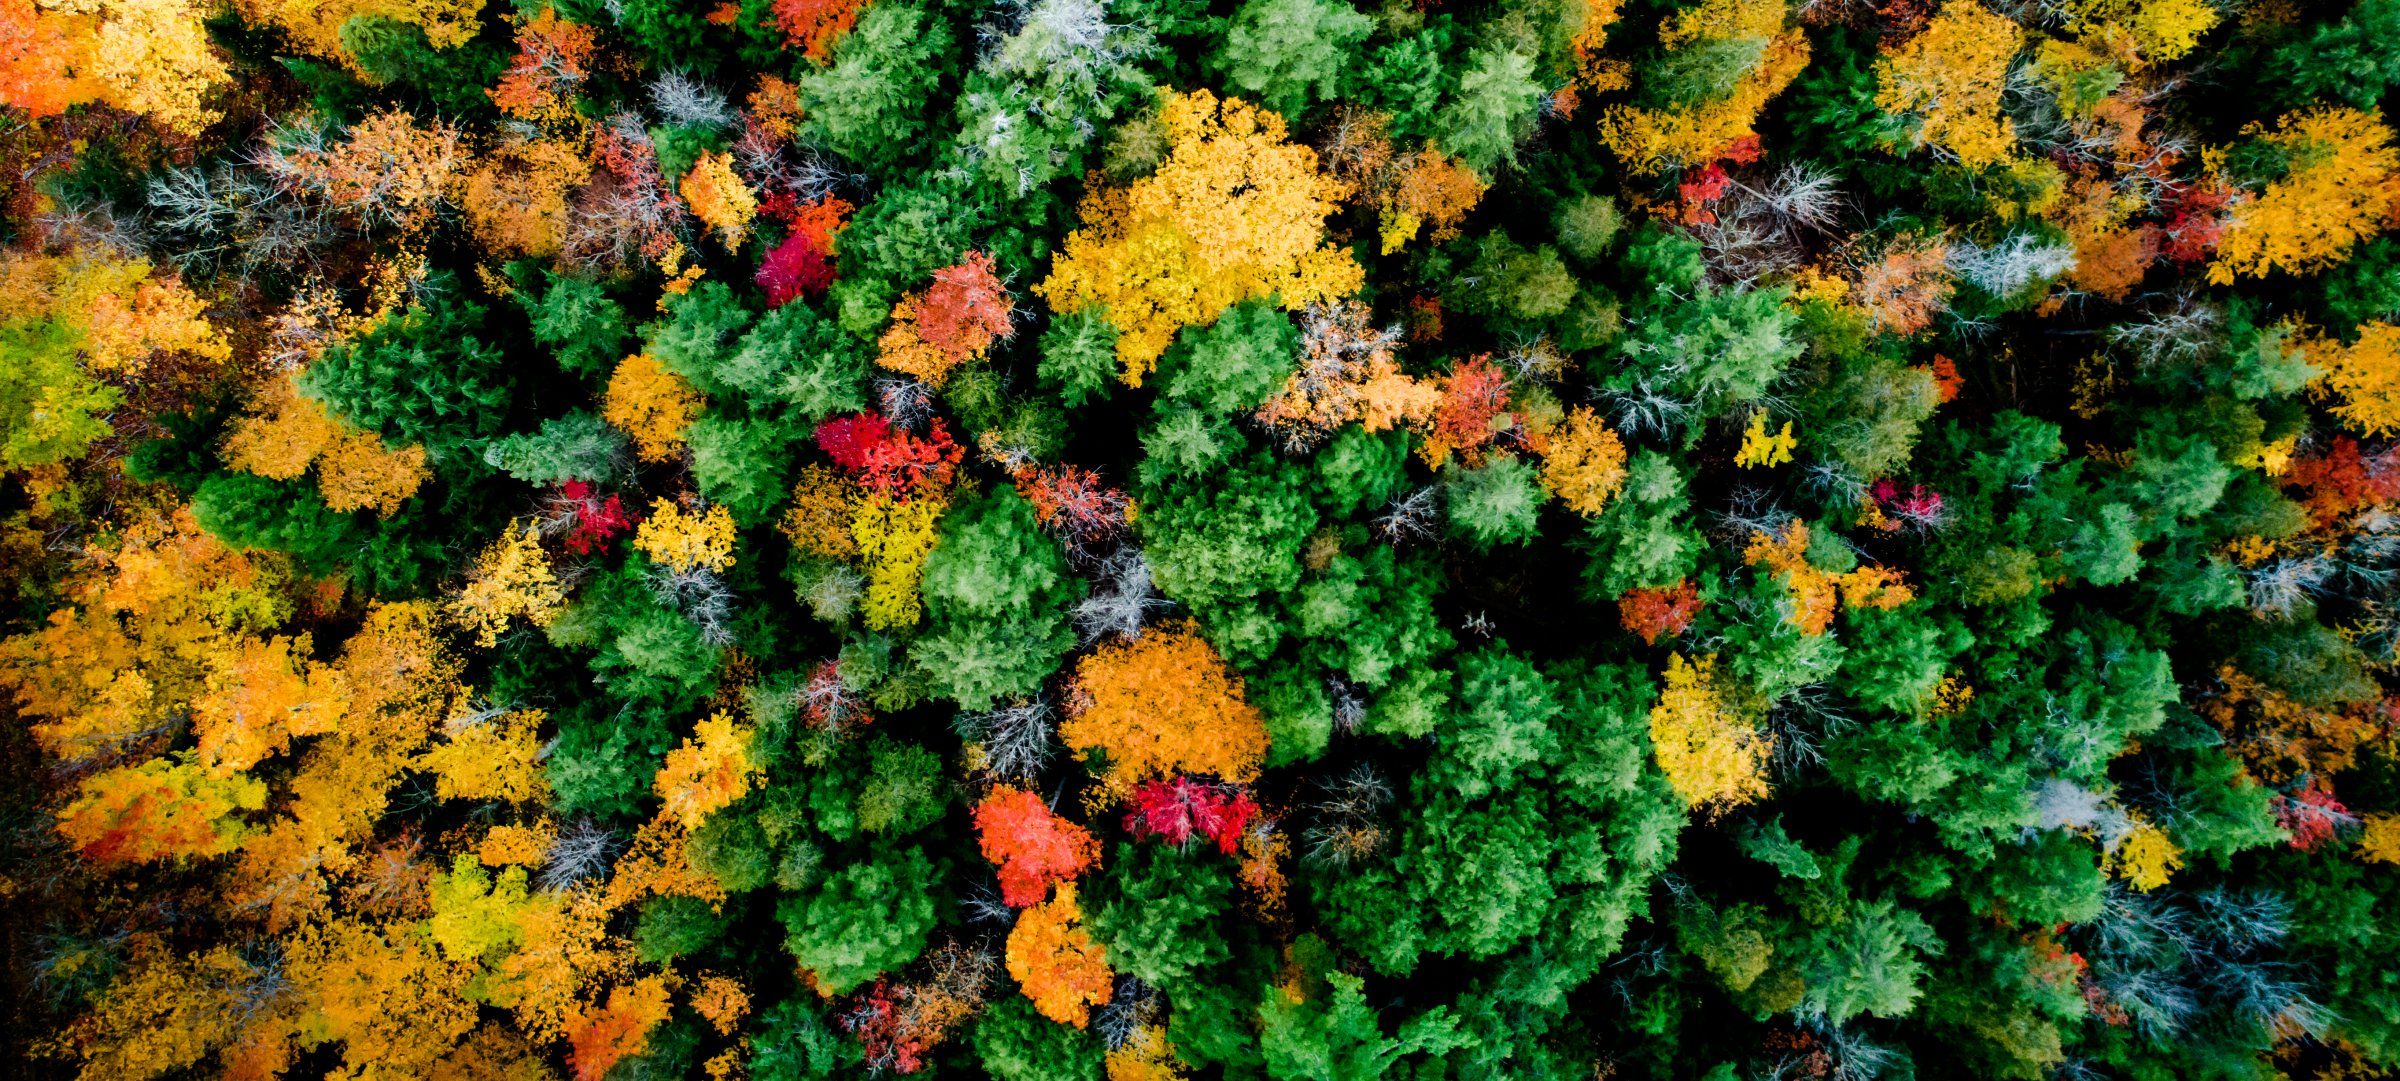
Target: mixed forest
<point>1222,540</point>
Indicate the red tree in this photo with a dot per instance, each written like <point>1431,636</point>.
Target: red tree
<point>1032,846</point>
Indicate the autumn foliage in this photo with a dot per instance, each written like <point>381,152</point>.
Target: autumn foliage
<point>1163,704</point>
<point>1031,845</point>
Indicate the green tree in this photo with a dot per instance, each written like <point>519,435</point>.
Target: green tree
<point>998,594</point>
<point>1287,54</point>
<point>866,919</point>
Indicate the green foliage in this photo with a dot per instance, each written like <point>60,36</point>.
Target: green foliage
<point>1493,109</point>
<point>998,594</point>
<point>1017,1044</point>
<point>1234,364</point>
<point>1506,279</point>
<point>1160,922</point>
<point>1499,502</point>
<point>1079,355</point>
<point>421,376</point>
<point>578,446</point>
<point>50,410</point>
<point>397,53</point>
<point>584,328</point>
<point>905,790</point>
<point>1287,54</point>
<point>1642,540</point>
<point>870,106</point>
<point>865,919</point>
<point>2063,749</point>
<point>1337,1037</point>
<point>675,926</point>
<point>795,1043</point>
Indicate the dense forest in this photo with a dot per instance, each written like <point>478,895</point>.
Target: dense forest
<point>1062,540</point>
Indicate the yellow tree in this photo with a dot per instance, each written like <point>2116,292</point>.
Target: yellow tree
<point>511,579</point>
<point>515,197</point>
<point>144,626</point>
<point>682,542</point>
<point>144,56</point>
<point>490,758</point>
<point>403,680</point>
<point>893,536</point>
<point>1949,77</point>
<point>1710,757</point>
<point>2339,190</point>
<point>718,197</point>
<point>652,405</point>
<point>1653,141</point>
<point>260,697</point>
<point>286,432</point>
<point>388,171</point>
<point>2142,32</point>
<point>386,993</point>
<point>2362,378</point>
<point>708,773</point>
<point>1235,211</point>
<point>161,809</point>
<point>1583,463</point>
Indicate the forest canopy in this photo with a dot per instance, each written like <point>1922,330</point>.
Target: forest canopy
<point>1263,540</point>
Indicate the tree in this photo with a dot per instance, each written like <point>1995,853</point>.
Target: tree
<point>998,595</point>
<point>1498,502</point>
<point>1162,704</point>
<point>1155,254</point>
<point>515,198</point>
<point>1583,463</point>
<point>1348,372</point>
<point>1744,56</point>
<point>1714,760</point>
<point>1335,1036</point>
<point>2359,378</point>
<point>1494,108</point>
<point>1233,364</point>
<point>1032,846</point>
<point>711,771</point>
<point>604,1035</point>
<point>684,542</point>
<point>1055,962</point>
<point>866,919</point>
<point>1158,922</point>
<point>1287,54</point>
<point>34,72</point>
<point>512,578</point>
<point>2336,167</point>
<point>151,57</point>
<point>421,376</point>
<point>954,321</point>
<point>497,759</point>
<point>1949,77</point>
<point>157,810</point>
<point>870,105</point>
<point>1018,1044</point>
<point>260,697</point>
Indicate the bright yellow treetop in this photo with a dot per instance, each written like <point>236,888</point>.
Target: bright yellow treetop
<point>1236,211</point>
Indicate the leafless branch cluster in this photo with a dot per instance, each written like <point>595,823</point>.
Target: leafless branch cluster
<point>583,851</point>
<point>680,99</point>
<point>1016,738</point>
<point>1346,818</point>
<point>1123,597</point>
<point>1411,516</point>
<point>1769,228</point>
<point>700,595</point>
